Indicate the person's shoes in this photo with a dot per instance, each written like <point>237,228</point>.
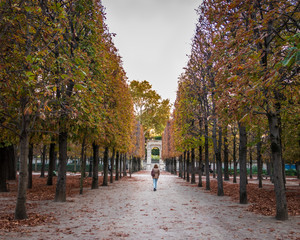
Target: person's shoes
<point>154,189</point>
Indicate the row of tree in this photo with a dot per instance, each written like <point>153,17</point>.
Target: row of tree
<point>241,78</point>
<point>62,82</point>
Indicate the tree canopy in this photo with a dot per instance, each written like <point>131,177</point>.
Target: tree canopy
<point>150,109</point>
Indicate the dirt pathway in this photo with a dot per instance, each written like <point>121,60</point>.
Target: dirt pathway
<point>129,209</point>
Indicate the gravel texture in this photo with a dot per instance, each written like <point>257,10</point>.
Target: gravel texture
<point>130,209</point>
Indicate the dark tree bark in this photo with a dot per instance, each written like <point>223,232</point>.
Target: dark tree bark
<point>51,162</point>
<point>180,166</point>
<point>112,163</point>
<point>105,167</point>
<point>124,165</point>
<point>175,165</point>
<point>259,164</point>
<point>83,160</point>
<point>219,163</point>
<point>298,169</point>
<point>243,161</point>
<point>3,168</point>
<point>60,193</point>
<point>172,162</point>
<point>90,167</point>
<point>139,164</point>
<point>270,169</point>
<point>234,156</point>
<point>214,166</point>
<point>30,158</point>
<point>134,164</point>
<point>169,166</point>
<point>121,161</point>
<point>43,161</point>
<point>84,164</point>
<point>20,211</point>
<point>184,165</point>
<point>130,165</point>
<point>117,166</point>
<point>200,184</point>
<point>188,165</point>
<point>281,203</point>
<point>95,183</point>
<point>193,177</point>
<point>250,162</point>
<point>226,153</point>
<point>206,155</point>
<point>11,164</point>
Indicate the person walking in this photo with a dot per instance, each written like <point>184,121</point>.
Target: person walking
<point>155,175</point>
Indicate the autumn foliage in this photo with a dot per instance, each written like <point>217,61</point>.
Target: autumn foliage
<point>241,78</point>
<point>62,82</point>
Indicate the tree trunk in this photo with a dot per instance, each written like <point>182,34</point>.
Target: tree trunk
<point>117,166</point>
<point>133,164</point>
<point>250,163</point>
<point>30,158</point>
<point>298,169</point>
<point>188,166</point>
<point>121,161</point>
<point>214,166</point>
<point>175,166</point>
<point>90,167</point>
<point>217,152</point>
<point>3,168</point>
<point>281,203</point>
<point>124,164</point>
<point>95,183</point>
<point>193,177</point>
<point>184,165</point>
<point>200,184</point>
<point>105,167</point>
<point>112,163</point>
<point>180,166</point>
<point>84,164</point>
<point>234,158</point>
<point>226,153</point>
<point>206,155</point>
<point>60,194</point>
<point>51,162</point>
<point>243,161</point>
<point>20,211</point>
<point>11,163</point>
<point>139,164</point>
<point>130,166</point>
<point>219,163</point>
<point>82,157</point>
<point>269,170</point>
<point>259,164</point>
<point>43,161</point>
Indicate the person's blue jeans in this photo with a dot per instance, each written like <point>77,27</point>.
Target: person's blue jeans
<point>155,183</point>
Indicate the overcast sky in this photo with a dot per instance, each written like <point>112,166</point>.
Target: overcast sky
<point>153,38</point>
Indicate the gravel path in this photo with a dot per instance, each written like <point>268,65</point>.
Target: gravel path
<point>130,209</point>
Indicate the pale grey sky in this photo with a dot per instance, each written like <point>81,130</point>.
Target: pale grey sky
<point>153,38</point>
